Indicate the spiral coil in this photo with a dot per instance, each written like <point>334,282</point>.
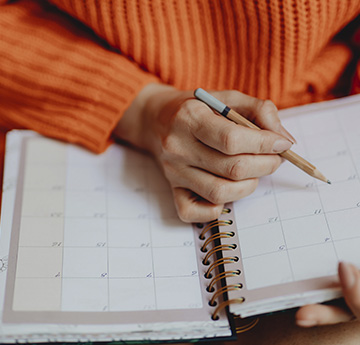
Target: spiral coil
<point>212,225</point>
<point>218,262</point>
<point>218,248</point>
<point>224,289</point>
<point>216,236</point>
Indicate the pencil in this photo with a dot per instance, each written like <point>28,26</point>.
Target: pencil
<point>232,115</point>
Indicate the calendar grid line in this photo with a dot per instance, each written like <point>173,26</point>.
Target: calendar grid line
<point>110,247</point>
<point>108,306</point>
<point>325,217</point>
<point>114,278</point>
<point>298,247</point>
<point>151,242</point>
<point>282,229</point>
<point>63,231</point>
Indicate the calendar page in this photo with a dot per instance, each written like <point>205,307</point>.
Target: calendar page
<point>293,230</point>
<point>96,241</point>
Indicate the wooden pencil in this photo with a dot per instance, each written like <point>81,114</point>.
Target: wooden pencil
<point>232,115</point>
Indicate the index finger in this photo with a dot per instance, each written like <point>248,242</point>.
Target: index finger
<point>227,137</point>
<point>263,113</point>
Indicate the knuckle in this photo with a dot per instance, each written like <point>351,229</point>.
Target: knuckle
<point>190,105</point>
<point>168,169</point>
<point>266,106</point>
<point>230,95</point>
<point>263,144</point>
<point>250,187</point>
<point>275,165</point>
<point>196,107</point>
<point>193,114</point>
<point>217,193</point>
<point>185,213</point>
<point>228,141</point>
<point>170,145</point>
<point>215,212</point>
<point>239,170</point>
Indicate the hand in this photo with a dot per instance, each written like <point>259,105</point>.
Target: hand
<point>207,159</point>
<point>318,314</point>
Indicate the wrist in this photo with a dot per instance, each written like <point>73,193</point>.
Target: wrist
<point>141,123</point>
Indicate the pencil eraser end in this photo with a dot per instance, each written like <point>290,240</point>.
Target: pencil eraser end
<point>210,100</point>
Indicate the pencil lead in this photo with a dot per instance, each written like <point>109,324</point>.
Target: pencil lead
<point>328,181</point>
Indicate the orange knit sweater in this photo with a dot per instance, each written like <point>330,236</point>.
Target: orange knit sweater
<point>73,81</point>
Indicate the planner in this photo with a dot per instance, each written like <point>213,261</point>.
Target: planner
<point>293,230</point>
<point>91,248</point>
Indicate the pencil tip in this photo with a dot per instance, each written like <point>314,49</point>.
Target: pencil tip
<point>328,181</point>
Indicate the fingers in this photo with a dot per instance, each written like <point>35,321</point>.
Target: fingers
<point>210,160</point>
<point>314,315</point>
<point>193,209</point>
<point>318,314</point>
<point>236,167</point>
<point>350,282</point>
<point>229,138</point>
<point>212,188</point>
<point>263,113</point>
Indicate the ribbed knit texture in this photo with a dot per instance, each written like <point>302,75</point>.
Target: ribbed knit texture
<point>277,49</point>
<point>57,79</point>
<point>60,79</point>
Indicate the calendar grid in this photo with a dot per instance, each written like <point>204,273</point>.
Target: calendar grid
<point>119,244</point>
<point>299,235</point>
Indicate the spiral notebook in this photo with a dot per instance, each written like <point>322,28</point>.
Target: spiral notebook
<point>91,248</point>
<point>293,230</point>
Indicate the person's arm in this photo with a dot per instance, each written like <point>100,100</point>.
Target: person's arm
<point>58,78</point>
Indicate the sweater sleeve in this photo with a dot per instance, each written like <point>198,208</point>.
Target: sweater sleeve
<point>59,79</point>
<point>356,43</point>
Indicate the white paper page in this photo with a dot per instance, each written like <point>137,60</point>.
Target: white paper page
<point>97,249</point>
<point>294,229</point>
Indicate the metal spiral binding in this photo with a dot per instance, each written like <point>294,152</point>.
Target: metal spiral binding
<point>224,304</point>
<point>247,326</point>
<point>216,236</point>
<point>218,248</point>
<point>219,263</point>
<point>224,289</point>
<point>212,225</point>
<point>222,275</point>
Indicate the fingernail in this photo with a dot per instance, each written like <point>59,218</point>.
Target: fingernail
<point>286,134</point>
<point>281,145</point>
<point>347,277</point>
<point>306,323</point>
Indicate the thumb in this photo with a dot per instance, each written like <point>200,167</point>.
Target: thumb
<point>350,282</point>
